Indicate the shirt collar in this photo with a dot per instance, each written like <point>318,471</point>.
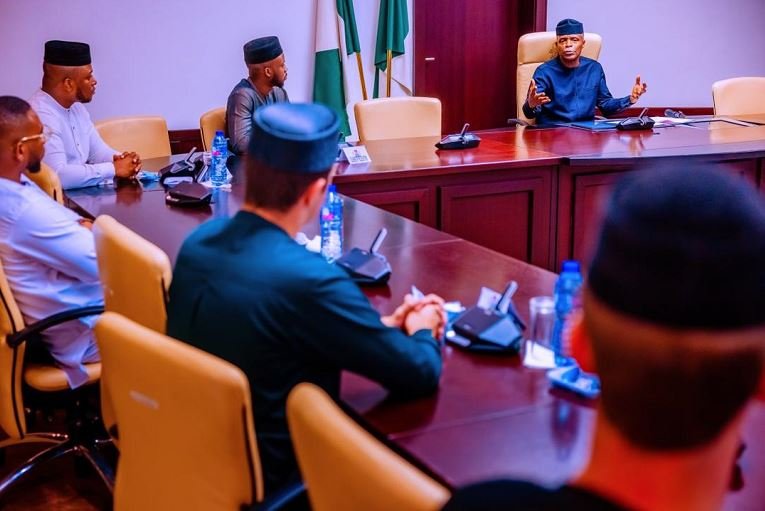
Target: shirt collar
<point>52,101</point>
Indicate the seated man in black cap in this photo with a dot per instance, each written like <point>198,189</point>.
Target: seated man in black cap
<point>245,291</point>
<point>674,324</point>
<point>568,87</point>
<point>267,72</point>
<point>75,150</point>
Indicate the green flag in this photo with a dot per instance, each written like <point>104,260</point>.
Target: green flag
<point>392,30</point>
<point>336,39</point>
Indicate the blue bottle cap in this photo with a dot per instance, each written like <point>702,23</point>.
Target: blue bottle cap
<point>219,132</point>
<point>570,266</point>
<point>332,187</point>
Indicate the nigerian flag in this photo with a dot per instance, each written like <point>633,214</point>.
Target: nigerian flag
<point>336,39</point>
<point>392,32</point>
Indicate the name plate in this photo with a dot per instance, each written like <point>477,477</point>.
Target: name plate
<point>356,155</point>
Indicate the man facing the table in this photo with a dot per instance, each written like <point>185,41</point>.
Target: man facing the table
<point>245,291</point>
<point>75,150</point>
<point>568,87</point>
<point>674,324</point>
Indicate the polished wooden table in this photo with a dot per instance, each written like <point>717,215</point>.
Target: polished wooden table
<point>491,416</point>
<point>534,193</point>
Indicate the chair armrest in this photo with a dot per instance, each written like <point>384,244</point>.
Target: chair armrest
<point>292,496</point>
<point>37,327</point>
<point>517,122</point>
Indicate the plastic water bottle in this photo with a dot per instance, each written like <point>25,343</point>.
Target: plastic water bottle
<point>331,225</point>
<point>218,170</point>
<point>566,298</point>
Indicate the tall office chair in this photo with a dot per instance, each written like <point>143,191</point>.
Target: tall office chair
<point>136,276</point>
<point>739,96</point>
<point>145,134</point>
<point>48,181</point>
<point>24,384</point>
<point>345,468</point>
<point>210,122</point>
<point>404,117</point>
<point>134,272</point>
<point>187,439</point>
<point>536,48</point>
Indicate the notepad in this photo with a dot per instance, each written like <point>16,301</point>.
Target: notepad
<point>596,125</point>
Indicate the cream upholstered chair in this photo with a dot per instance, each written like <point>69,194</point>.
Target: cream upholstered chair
<point>739,96</point>
<point>404,117</point>
<point>48,181</point>
<point>145,134</point>
<point>210,122</point>
<point>364,474</point>
<point>134,272</point>
<point>48,383</point>
<point>536,48</point>
<point>187,439</point>
<point>136,276</point>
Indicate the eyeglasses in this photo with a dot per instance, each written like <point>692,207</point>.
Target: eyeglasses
<point>41,136</point>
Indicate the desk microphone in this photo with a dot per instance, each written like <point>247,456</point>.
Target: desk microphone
<point>675,114</point>
<point>464,130</point>
<point>461,140</point>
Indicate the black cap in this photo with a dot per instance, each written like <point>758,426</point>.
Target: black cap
<point>569,27</point>
<point>295,137</point>
<point>67,53</point>
<point>262,49</point>
<point>683,248</point>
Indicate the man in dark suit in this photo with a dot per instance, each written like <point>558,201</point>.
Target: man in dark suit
<point>245,291</point>
<point>674,324</point>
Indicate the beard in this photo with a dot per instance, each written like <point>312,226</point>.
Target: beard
<point>34,166</point>
<point>82,98</point>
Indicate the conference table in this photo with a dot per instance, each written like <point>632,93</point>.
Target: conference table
<point>535,193</point>
<point>491,416</point>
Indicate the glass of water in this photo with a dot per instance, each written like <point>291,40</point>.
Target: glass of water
<point>538,352</point>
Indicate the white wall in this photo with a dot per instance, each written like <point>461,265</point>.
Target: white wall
<point>176,58</point>
<point>679,47</point>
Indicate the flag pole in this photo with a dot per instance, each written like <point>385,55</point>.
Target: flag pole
<point>361,76</point>
<point>390,71</point>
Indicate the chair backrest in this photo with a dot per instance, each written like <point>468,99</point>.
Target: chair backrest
<point>12,419</point>
<point>210,122</point>
<point>536,48</point>
<point>187,439</point>
<point>739,96</point>
<point>345,468</point>
<point>404,117</point>
<point>134,272</point>
<point>48,181</point>
<point>145,134</point>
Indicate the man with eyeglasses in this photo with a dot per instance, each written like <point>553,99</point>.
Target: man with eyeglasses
<point>75,149</point>
<point>46,250</point>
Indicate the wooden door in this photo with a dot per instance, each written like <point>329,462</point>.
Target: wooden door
<point>466,53</point>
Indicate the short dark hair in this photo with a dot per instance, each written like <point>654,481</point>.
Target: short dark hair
<point>673,303</point>
<point>667,389</point>
<point>13,112</point>
<point>277,189</point>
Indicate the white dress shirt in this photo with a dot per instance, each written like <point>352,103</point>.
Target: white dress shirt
<point>74,149</point>
<point>50,263</point>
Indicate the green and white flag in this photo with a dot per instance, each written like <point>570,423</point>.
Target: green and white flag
<point>393,35</point>
<point>337,81</point>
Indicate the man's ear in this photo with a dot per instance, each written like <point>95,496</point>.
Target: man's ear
<point>315,191</point>
<point>581,346</point>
